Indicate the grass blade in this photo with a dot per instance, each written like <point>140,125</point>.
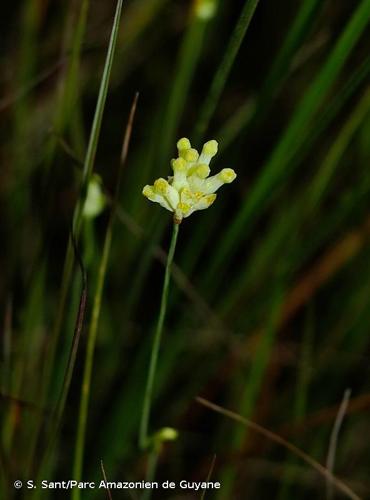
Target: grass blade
<point>93,329</point>
<point>340,486</point>
<point>86,175</point>
<point>293,138</point>
<point>334,440</point>
<point>188,58</point>
<point>224,69</point>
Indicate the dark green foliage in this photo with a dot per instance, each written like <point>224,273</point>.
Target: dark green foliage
<point>269,310</point>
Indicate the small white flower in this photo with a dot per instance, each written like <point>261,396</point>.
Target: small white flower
<point>190,188</point>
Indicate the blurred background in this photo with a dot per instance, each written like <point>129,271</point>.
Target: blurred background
<point>269,308</point>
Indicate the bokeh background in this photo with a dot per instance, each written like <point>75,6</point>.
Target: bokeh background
<point>269,310</point>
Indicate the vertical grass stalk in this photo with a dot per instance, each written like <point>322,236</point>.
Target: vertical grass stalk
<point>188,58</point>
<point>292,140</point>
<point>86,382</point>
<point>86,175</point>
<point>148,395</point>
<point>224,69</point>
<point>93,329</point>
<point>69,87</point>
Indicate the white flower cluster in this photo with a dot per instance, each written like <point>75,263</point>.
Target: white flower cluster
<point>190,188</point>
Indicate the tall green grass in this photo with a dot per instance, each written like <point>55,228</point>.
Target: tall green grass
<point>268,313</point>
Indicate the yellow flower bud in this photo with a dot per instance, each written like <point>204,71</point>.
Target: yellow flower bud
<point>203,171</point>
<point>227,175</point>
<point>190,155</point>
<point>183,144</point>
<point>148,191</point>
<point>210,148</point>
<point>161,186</point>
<point>179,165</point>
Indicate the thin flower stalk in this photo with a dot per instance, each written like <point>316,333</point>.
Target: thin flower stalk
<point>189,189</point>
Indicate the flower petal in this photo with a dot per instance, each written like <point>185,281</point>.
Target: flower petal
<point>169,193</point>
<point>180,168</point>
<point>203,203</point>
<point>212,184</point>
<point>149,193</point>
<point>209,150</point>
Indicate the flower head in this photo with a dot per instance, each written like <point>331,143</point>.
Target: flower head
<point>190,188</point>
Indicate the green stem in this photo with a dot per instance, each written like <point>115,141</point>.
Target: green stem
<point>151,471</point>
<point>93,330</point>
<point>143,435</point>
<point>90,349</point>
<point>86,176</point>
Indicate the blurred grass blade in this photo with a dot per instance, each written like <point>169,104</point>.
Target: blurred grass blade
<point>86,175</point>
<point>302,23</point>
<point>30,23</point>
<point>272,292</point>
<point>224,69</point>
<point>301,395</point>
<point>305,203</point>
<point>334,440</point>
<point>325,174</point>
<point>251,111</point>
<point>7,347</point>
<point>337,483</point>
<point>98,117</point>
<point>187,62</point>
<point>69,88</point>
<point>235,124</point>
<point>93,329</point>
<point>56,419</point>
<point>252,386</point>
<point>109,494</point>
<point>292,139</point>
<point>333,108</point>
<point>209,475</point>
<point>287,223</point>
<point>76,339</point>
